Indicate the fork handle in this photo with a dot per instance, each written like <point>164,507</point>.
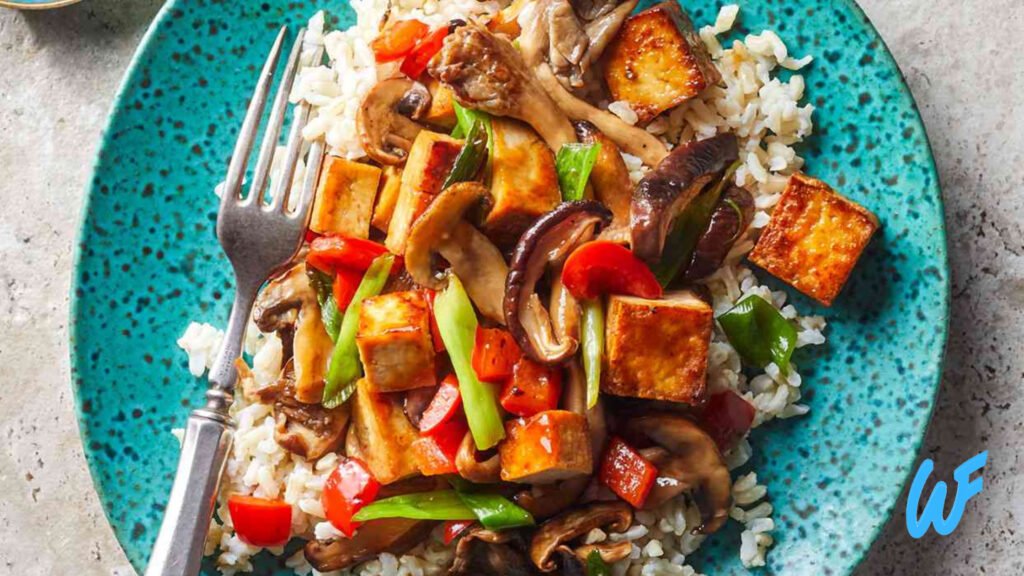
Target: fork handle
<point>179,546</point>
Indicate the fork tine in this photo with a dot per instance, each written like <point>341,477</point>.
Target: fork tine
<point>251,124</point>
<point>261,174</point>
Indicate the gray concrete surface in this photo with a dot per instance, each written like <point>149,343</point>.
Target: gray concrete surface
<point>59,71</point>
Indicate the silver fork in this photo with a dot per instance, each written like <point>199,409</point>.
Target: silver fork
<point>260,239</point>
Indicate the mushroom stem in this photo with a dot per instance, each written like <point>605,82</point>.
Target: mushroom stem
<point>474,259</point>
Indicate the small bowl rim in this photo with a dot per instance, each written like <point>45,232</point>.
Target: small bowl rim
<point>19,5</point>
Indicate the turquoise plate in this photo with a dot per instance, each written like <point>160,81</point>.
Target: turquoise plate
<point>148,262</point>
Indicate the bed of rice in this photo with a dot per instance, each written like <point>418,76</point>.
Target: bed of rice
<point>762,110</point>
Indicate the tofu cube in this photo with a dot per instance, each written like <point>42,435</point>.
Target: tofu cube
<point>391,184</point>
<point>524,183</point>
<point>430,160</point>
<point>658,62</point>
<point>547,447</point>
<point>344,198</point>
<point>383,434</point>
<point>394,342</point>
<point>442,106</point>
<point>657,349</point>
<point>814,238</point>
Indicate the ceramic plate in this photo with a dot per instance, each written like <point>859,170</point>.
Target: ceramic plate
<point>36,4</point>
<point>148,262</point>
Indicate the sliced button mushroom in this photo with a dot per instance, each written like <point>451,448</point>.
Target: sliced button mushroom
<point>482,551</point>
<point>546,500</point>
<point>476,466</point>
<point>392,535</point>
<point>729,220</point>
<point>308,430</point>
<point>441,230</point>
<point>277,306</point>
<point>668,189</point>
<point>690,463</point>
<point>385,119</point>
<point>562,530</point>
<point>549,240</point>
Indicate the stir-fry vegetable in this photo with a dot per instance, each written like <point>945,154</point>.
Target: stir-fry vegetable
<point>687,230</point>
<point>457,323</point>
<point>323,285</point>
<point>759,332</point>
<point>727,418</point>
<point>343,289</point>
<point>416,62</point>
<point>596,566</point>
<point>465,118</point>
<point>472,156</point>
<point>398,40</point>
<point>495,512</point>
<point>573,163</point>
<point>599,268</point>
<point>348,489</point>
<point>446,405</point>
<point>259,521</point>
<point>435,451</point>
<point>495,354</point>
<point>532,388</point>
<point>332,253</point>
<point>592,344</point>
<point>345,368</point>
<point>454,528</point>
<point>437,505</point>
<point>435,333</point>
<point>627,473</point>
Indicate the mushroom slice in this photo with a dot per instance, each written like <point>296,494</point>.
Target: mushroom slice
<point>561,530</point>
<point>611,552</point>
<point>392,535</point>
<point>475,466</point>
<point>692,464</point>
<point>482,551</point>
<point>384,131</point>
<point>441,230</point>
<point>308,430</point>
<point>546,500</point>
<point>667,190</point>
<point>550,239</point>
<point>486,72</point>
<point>277,306</point>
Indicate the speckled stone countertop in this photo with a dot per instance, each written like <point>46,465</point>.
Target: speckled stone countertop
<point>59,71</point>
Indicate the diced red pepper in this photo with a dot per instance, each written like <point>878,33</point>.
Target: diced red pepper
<point>435,453</point>
<point>347,490</point>
<point>599,268</point>
<point>333,252</point>
<point>346,282</point>
<point>447,404</point>
<point>495,354</point>
<point>727,418</point>
<point>627,473</point>
<point>398,40</point>
<point>453,528</point>
<point>532,388</point>
<point>416,62</point>
<point>310,236</point>
<point>259,521</point>
<point>435,332</point>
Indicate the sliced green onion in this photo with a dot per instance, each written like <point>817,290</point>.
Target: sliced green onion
<point>470,158</point>
<point>759,332</point>
<point>596,566</point>
<point>495,512</point>
<point>573,164</point>
<point>592,336</point>
<point>456,320</point>
<point>321,283</point>
<point>687,230</point>
<point>439,505</point>
<point>345,368</point>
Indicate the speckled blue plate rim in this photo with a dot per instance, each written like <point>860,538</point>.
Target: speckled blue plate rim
<point>73,309</point>
<point>116,111</point>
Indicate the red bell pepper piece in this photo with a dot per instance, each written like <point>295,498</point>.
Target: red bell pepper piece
<point>533,388</point>
<point>599,268</point>
<point>332,252</point>
<point>447,404</point>
<point>397,41</point>
<point>435,332</point>
<point>310,236</point>
<point>453,528</point>
<point>416,62</point>
<point>627,473</point>
<point>348,489</point>
<point>495,354</point>
<point>435,453</point>
<point>259,521</point>
<point>346,282</point>
<point>727,418</point>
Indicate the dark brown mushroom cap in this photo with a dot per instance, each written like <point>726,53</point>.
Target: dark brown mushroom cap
<point>277,306</point>
<point>730,218</point>
<point>666,191</point>
<point>611,516</point>
<point>550,239</point>
<point>308,430</point>
<point>689,463</point>
<point>392,535</point>
<point>481,551</point>
<point>544,501</point>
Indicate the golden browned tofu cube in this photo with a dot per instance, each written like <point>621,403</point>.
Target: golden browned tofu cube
<point>658,62</point>
<point>547,447</point>
<point>383,433</point>
<point>387,197</point>
<point>524,183</point>
<point>394,342</point>
<point>442,106</point>
<point>814,238</point>
<point>657,349</point>
<point>344,198</point>
<point>430,160</point>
